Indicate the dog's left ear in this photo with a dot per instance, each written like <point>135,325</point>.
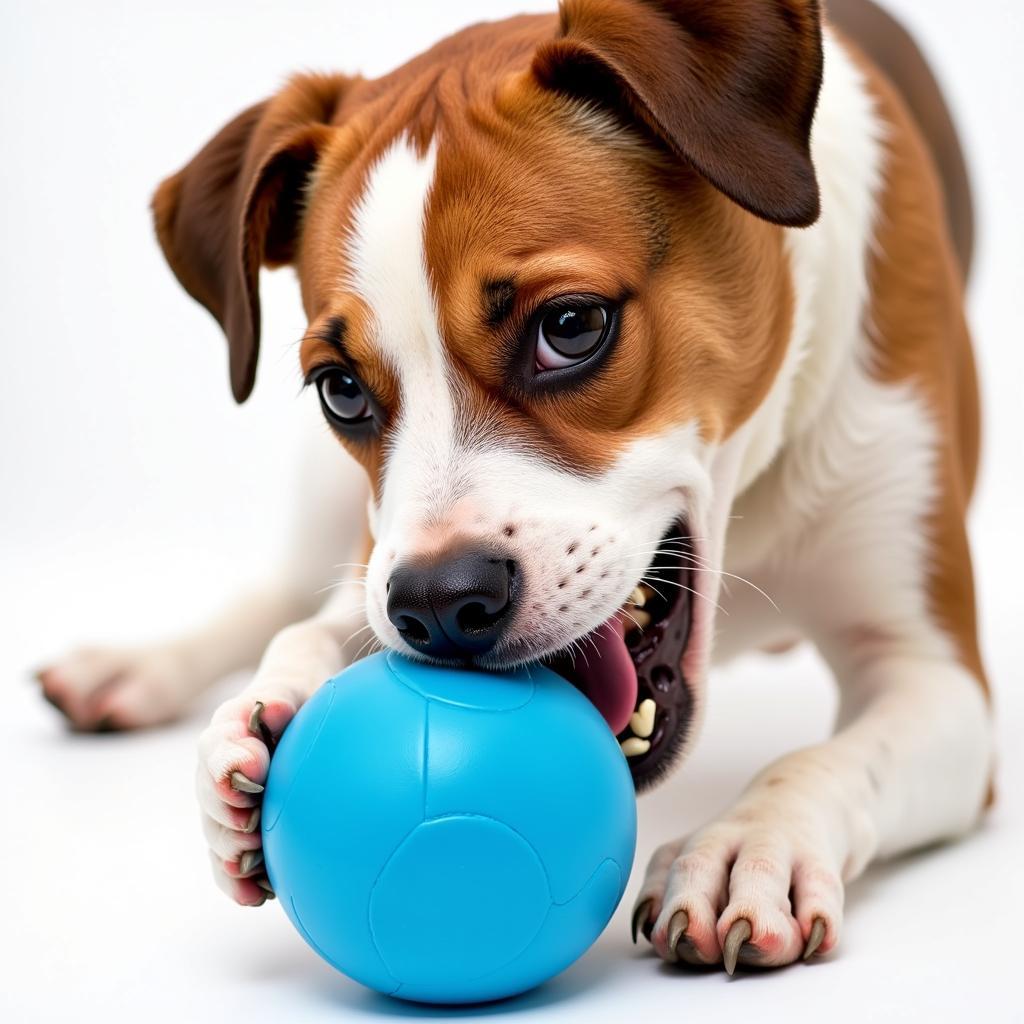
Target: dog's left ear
<point>730,86</point>
<point>237,205</point>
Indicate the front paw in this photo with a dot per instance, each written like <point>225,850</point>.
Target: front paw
<point>101,689</point>
<point>756,887</point>
<point>234,757</point>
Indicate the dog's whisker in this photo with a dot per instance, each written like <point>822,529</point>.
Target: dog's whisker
<point>632,618</point>
<point>367,644</point>
<point>577,645</point>
<point>741,579</point>
<point>588,636</point>
<point>696,593</point>
<point>722,573</point>
<point>359,633</point>
<point>682,543</point>
<point>666,546</point>
<point>702,566</point>
<point>338,584</point>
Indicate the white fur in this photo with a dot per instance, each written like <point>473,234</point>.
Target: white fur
<point>828,261</point>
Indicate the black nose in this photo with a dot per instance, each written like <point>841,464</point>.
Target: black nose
<point>455,606</point>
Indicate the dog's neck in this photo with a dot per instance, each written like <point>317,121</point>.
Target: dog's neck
<point>829,267</point>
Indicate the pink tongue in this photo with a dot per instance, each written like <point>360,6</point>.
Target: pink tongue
<point>606,675</point>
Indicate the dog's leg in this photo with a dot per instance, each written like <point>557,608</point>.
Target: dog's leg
<point>763,884</point>
<point>102,688</point>
<point>234,751</point>
<point>122,688</point>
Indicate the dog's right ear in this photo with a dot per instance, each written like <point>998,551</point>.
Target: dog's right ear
<point>238,205</point>
<point>729,86</point>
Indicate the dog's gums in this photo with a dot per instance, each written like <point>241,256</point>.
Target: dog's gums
<point>653,628</point>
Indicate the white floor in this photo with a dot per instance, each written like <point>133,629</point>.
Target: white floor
<point>134,497</point>
<point>109,914</point>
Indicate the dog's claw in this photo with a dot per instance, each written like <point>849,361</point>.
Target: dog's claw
<point>243,784</point>
<point>249,861</point>
<point>677,931</point>
<point>264,884</point>
<point>253,823</point>
<point>738,934</point>
<point>814,940</point>
<point>260,728</point>
<point>255,717</point>
<point>640,919</point>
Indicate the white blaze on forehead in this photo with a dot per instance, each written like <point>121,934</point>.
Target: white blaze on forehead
<point>388,262</point>
<point>389,272</point>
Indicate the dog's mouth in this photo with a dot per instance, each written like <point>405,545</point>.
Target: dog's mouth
<point>631,666</point>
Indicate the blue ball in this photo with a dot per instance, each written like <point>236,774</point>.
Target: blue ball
<point>448,836</point>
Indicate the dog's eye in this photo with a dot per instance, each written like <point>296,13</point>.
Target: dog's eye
<point>570,335</point>
<point>343,398</point>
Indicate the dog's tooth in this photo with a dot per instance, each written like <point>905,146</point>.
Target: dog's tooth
<point>638,597</point>
<point>640,618</point>
<point>634,746</point>
<point>642,720</point>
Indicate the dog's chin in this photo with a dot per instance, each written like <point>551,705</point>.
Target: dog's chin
<point>634,674</point>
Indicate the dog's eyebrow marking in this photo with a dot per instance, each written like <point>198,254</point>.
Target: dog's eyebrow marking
<point>499,297</point>
<point>333,333</point>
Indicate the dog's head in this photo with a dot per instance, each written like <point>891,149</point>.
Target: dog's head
<point>546,288</point>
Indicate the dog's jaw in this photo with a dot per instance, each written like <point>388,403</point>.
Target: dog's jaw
<point>663,645</point>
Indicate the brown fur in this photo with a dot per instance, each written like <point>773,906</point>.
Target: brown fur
<point>728,79</point>
<point>892,51</point>
<point>235,205</point>
<point>921,337</point>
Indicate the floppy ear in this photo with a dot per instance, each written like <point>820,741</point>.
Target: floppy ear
<point>238,204</point>
<point>730,86</point>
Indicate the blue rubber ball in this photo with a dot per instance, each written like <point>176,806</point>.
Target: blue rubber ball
<point>448,836</point>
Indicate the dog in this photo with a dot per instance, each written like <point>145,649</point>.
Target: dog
<point>606,308</point>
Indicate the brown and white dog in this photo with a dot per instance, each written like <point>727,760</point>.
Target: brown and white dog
<point>606,306</point>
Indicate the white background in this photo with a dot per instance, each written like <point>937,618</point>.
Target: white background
<point>135,497</point>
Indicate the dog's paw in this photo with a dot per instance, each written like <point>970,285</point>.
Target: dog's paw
<point>759,889</point>
<point>102,689</point>
<point>234,757</point>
